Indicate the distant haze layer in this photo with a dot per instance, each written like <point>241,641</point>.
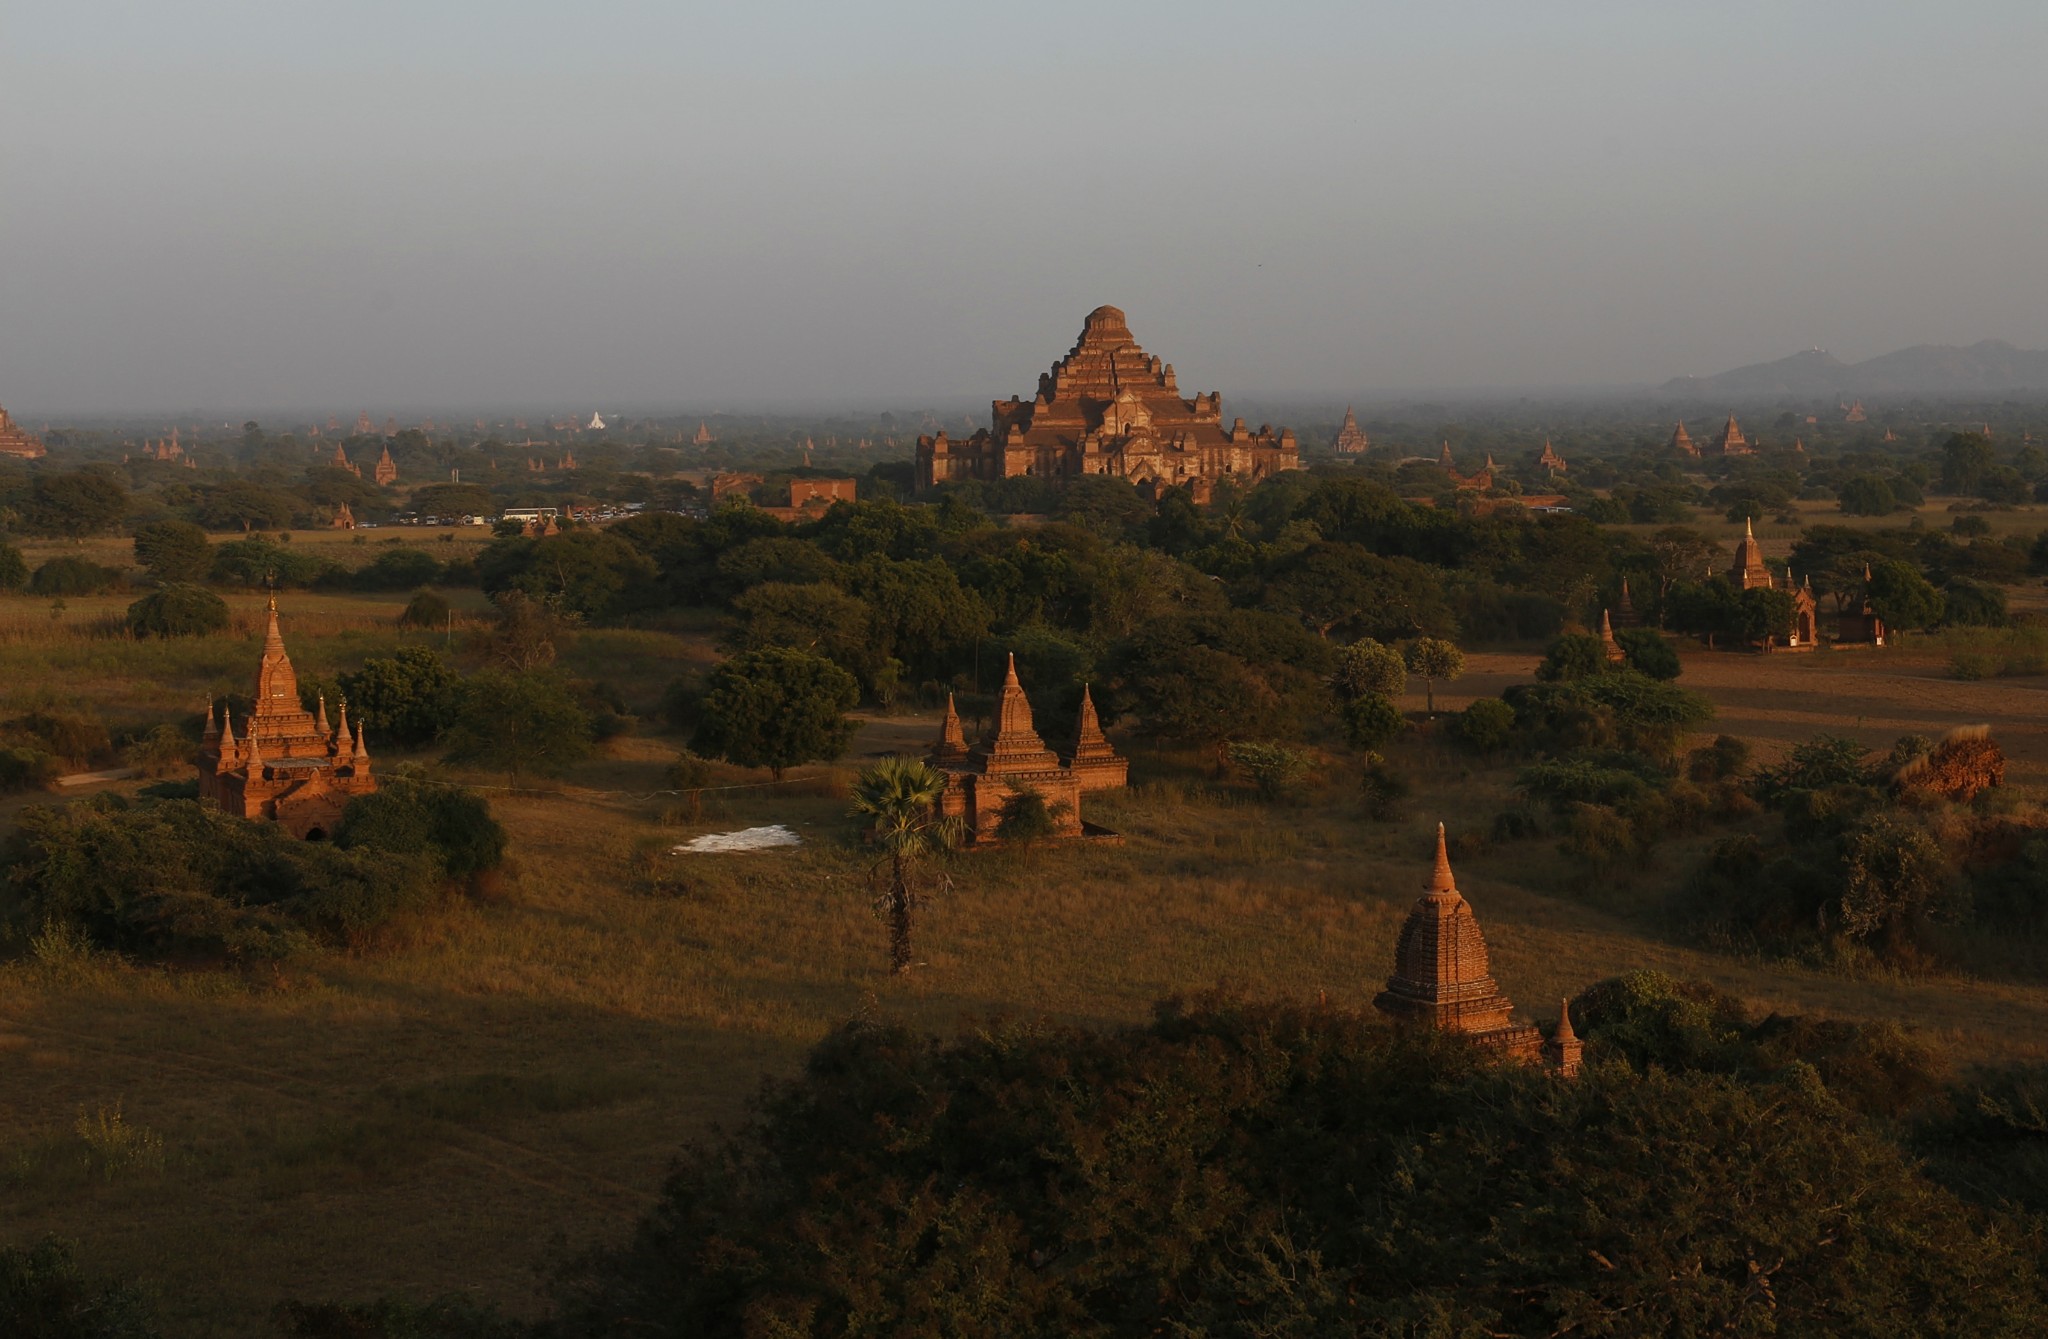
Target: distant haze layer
<point>243,205</point>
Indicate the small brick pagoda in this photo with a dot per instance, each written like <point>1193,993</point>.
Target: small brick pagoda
<point>1682,442</point>
<point>1095,764</point>
<point>17,443</point>
<point>1731,442</point>
<point>287,767</point>
<point>1441,980</point>
<point>1110,408</point>
<point>1010,759</point>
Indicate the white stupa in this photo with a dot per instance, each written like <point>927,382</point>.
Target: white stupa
<point>597,423</point>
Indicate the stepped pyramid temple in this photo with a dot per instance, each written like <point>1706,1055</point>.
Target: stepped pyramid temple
<point>1351,439</point>
<point>1011,758</point>
<point>1550,460</point>
<point>1681,441</point>
<point>1110,408</point>
<point>1441,979</point>
<point>387,469</point>
<point>15,442</point>
<point>287,766</point>
<point>1749,572</point>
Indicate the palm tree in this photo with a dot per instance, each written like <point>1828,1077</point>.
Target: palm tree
<point>899,797</point>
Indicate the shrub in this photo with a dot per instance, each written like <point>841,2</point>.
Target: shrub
<point>1574,656</point>
<point>173,551</point>
<point>518,723</point>
<point>164,751</point>
<point>75,735</point>
<point>408,697</point>
<point>776,707</point>
<point>1383,790</point>
<point>1649,652</point>
<point>1601,778</point>
<point>1487,726</point>
<point>397,569</point>
<point>1273,769</point>
<point>68,575</point>
<point>1597,836</point>
<point>425,610</point>
<point>1369,668</point>
<point>26,769</point>
<point>1203,1174</point>
<point>181,876</point>
<point>178,611</point>
<point>1723,760</point>
<point>410,817</point>
<point>13,570</point>
<point>1372,722</point>
<point>44,1295</point>
<point>1028,818</point>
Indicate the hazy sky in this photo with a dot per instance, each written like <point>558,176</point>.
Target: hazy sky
<point>393,204</point>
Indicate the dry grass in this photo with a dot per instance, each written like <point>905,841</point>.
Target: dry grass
<point>507,1082</point>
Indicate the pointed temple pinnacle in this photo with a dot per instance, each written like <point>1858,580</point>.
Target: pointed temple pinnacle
<point>1606,627</point>
<point>1010,675</point>
<point>1441,881</point>
<point>1748,528</point>
<point>1564,1023</point>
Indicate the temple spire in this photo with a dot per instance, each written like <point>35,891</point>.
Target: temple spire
<point>341,705</point>
<point>320,721</point>
<point>1564,1022</point>
<point>362,753</point>
<point>952,738</point>
<point>211,734</point>
<point>254,762</point>
<point>227,740</point>
<point>1441,881</point>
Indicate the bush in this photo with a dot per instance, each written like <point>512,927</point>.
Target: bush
<point>13,570</point>
<point>69,576</point>
<point>425,610</point>
<point>1574,656</point>
<point>72,734</point>
<point>1369,668</point>
<point>173,551</point>
<point>1649,652</point>
<point>776,707</point>
<point>408,698</point>
<point>178,611</point>
<point>44,1295</point>
<point>180,876</point>
<point>1273,769</point>
<point>1372,722</point>
<point>519,723</point>
<point>164,751</point>
<point>1723,760</point>
<point>26,769</point>
<point>1028,818</point>
<point>1207,1174</point>
<point>1383,790</point>
<point>1487,726</point>
<point>397,569</point>
<point>411,817</point>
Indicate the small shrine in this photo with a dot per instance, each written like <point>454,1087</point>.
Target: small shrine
<point>15,442</point>
<point>386,473</point>
<point>1012,759</point>
<point>1442,980</point>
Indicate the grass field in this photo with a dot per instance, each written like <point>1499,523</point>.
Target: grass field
<point>497,1087</point>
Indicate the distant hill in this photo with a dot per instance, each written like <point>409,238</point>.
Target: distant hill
<point>1924,369</point>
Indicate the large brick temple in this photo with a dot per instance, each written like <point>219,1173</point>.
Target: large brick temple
<point>287,766</point>
<point>1110,408</point>
<point>15,442</point>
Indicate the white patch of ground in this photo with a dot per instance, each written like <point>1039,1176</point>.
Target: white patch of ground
<point>746,839</point>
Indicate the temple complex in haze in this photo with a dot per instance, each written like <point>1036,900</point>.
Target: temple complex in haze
<point>1012,759</point>
<point>15,442</point>
<point>1351,439</point>
<point>1442,980</point>
<point>1110,408</point>
<point>287,766</point>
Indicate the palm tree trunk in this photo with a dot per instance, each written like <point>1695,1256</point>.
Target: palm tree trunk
<point>899,918</point>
